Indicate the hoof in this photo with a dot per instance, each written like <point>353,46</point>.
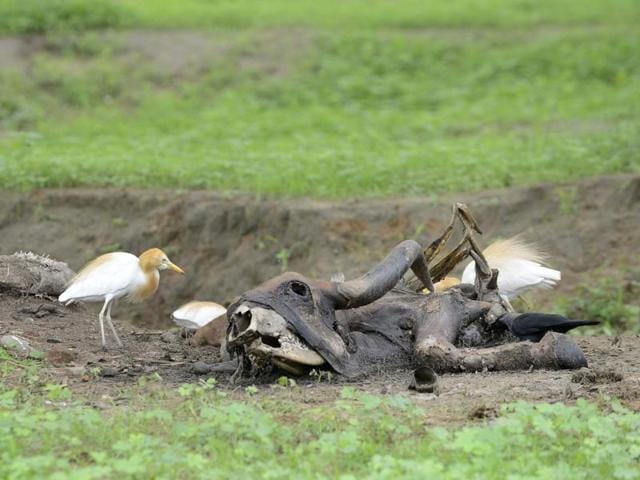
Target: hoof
<point>424,380</point>
<point>567,353</point>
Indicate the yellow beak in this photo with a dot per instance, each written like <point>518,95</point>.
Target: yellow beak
<point>175,268</point>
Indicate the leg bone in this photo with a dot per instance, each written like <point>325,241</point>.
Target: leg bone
<point>555,351</point>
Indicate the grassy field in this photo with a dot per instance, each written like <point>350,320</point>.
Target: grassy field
<point>28,16</point>
<point>199,431</point>
<point>326,99</point>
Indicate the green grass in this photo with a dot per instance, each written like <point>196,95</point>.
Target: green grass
<point>612,302</point>
<point>41,16</point>
<point>376,13</point>
<point>27,16</point>
<point>358,99</point>
<point>199,431</point>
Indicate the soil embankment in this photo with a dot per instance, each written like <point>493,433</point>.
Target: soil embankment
<point>228,245</point>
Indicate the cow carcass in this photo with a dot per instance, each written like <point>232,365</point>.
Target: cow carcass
<point>384,318</point>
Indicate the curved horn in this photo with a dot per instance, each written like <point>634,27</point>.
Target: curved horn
<point>383,277</point>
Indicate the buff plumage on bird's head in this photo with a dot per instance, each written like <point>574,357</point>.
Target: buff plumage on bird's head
<point>151,261</point>
<point>154,258</point>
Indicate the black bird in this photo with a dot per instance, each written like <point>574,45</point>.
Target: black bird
<point>533,326</point>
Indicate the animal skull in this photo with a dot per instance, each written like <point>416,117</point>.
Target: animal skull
<point>292,320</point>
<point>268,339</point>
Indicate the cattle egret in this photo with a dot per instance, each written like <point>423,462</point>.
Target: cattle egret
<point>194,315</point>
<point>116,275</point>
<point>519,266</point>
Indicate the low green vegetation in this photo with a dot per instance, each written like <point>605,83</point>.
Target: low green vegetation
<point>42,16</point>
<point>613,302</point>
<point>200,431</point>
<point>38,16</point>
<point>346,101</point>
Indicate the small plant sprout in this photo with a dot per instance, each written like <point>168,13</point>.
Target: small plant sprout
<point>251,390</point>
<point>285,381</point>
<point>321,375</point>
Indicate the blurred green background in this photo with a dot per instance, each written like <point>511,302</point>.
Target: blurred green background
<point>325,99</point>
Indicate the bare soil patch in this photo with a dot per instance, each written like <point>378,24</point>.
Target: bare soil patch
<point>70,339</point>
<point>176,53</point>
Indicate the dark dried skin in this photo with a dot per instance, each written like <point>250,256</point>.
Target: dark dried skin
<point>213,333</point>
<point>310,306</point>
<point>358,325</point>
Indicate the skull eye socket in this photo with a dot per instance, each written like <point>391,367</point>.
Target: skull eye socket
<point>242,321</point>
<point>299,288</point>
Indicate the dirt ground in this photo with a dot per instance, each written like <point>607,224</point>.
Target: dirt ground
<point>71,342</point>
<point>227,245</point>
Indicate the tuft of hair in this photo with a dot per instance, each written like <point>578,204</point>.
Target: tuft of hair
<point>514,247</point>
<point>44,260</point>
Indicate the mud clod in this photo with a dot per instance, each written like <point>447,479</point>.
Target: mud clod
<point>201,368</point>
<point>58,357</point>
<point>169,337</point>
<point>483,412</point>
<point>108,372</point>
<point>586,376</point>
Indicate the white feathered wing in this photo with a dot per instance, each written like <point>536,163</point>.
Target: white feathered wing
<point>115,274</point>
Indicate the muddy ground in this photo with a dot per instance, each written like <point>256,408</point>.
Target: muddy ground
<point>590,229</point>
<point>70,339</point>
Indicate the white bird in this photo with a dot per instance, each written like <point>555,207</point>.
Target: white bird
<point>196,314</point>
<point>519,265</point>
<point>116,275</point>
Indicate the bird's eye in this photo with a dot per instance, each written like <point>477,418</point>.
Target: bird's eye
<point>299,288</point>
